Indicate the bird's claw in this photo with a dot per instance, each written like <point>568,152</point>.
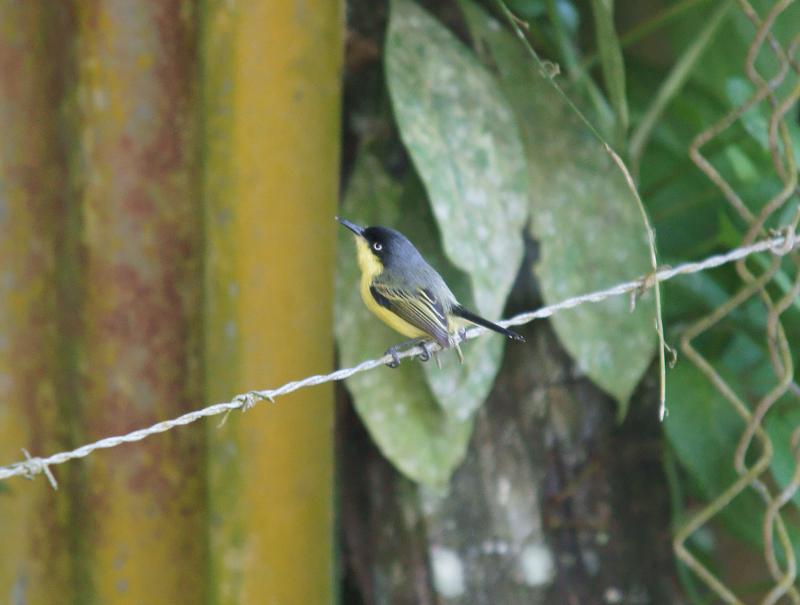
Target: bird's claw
<point>393,351</point>
<point>395,358</point>
<point>425,355</point>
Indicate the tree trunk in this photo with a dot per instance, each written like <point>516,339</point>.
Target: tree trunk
<point>555,502</point>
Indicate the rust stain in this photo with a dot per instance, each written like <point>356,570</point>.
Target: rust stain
<point>142,334</point>
<point>139,204</point>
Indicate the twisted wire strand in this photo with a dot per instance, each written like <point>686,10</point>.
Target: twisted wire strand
<point>32,466</point>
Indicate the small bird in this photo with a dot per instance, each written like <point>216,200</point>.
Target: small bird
<point>408,295</point>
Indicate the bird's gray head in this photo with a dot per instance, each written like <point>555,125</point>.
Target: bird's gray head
<point>390,248</point>
<point>388,253</point>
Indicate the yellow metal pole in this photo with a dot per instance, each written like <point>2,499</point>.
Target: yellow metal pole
<point>272,99</point>
<point>142,336</point>
<point>41,547</point>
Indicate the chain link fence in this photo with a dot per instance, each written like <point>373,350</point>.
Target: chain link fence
<point>776,284</point>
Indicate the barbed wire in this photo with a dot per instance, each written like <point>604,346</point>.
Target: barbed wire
<point>31,466</point>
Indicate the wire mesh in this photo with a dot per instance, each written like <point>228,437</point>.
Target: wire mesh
<point>776,295</point>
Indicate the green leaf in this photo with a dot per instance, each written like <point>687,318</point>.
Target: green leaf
<point>585,218</point>
<point>703,429</point>
<point>675,81</point>
<point>727,54</point>
<point>755,121</point>
<point>612,62</point>
<point>465,144</point>
<point>781,423</point>
<point>397,406</point>
<point>461,388</point>
<point>739,90</point>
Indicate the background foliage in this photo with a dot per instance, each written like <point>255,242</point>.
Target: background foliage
<point>468,103</point>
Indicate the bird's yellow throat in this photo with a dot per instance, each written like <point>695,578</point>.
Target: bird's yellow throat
<point>371,267</point>
<point>369,264</point>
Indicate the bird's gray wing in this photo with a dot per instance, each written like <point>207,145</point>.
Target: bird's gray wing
<point>419,307</point>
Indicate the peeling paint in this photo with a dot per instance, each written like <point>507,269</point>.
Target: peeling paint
<point>141,267</point>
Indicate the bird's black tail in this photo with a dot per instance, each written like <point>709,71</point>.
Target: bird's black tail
<point>477,319</point>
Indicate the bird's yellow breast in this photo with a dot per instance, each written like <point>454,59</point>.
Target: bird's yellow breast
<point>371,267</point>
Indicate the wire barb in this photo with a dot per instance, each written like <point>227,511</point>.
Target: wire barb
<point>789,242</point>
<point>32,466</point>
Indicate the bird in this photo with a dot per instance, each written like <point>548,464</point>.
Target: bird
<point>407,294</point>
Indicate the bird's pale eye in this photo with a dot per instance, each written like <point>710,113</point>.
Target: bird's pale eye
<point>377,246</point>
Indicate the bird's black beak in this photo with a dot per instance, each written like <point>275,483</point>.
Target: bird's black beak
<point>352,226</point>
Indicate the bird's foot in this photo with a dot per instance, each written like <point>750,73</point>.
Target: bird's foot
<point>425,355</point>
<point>395,351</point>
<point>395,357</point>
